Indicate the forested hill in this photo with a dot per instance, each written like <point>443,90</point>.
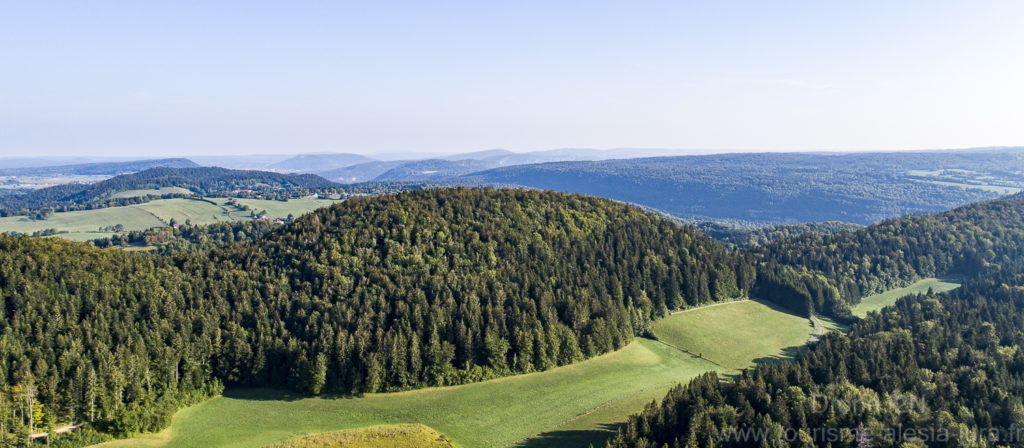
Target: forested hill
<point>469,283</point>
<point>774,188</point>
<point>200,180</point>
<point>967,241</point>
<point>431,287</point>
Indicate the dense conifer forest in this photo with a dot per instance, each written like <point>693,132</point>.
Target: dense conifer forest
<point>425,288</point>
<point>966,242</point>
<point>935,370</point>
<point>942,371</point>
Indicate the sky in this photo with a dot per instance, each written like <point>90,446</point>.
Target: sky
<point>200,78</point>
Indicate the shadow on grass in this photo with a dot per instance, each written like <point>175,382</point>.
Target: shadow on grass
<point>260,394</point>
<point>268,394</point>
<point>776,307</point>
<point>581,438</point>
<point>265,394</point>
<point>787,354</point>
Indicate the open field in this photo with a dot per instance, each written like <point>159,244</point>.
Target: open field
<point>279,209</point>
<point>596,427</point>
<point>85,224</point>
<point>738,334</point>
<point>573,405</point>
<point>879,301</point>
<point>999,189</point>
<point>489,414</point>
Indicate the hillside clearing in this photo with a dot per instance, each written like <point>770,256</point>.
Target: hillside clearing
<point>879,301</point>
<point>738,334</point>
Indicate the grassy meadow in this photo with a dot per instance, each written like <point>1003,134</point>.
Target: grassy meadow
<point>879,301</point>
<point>737,334</point>
<point>573,405</point>
<point>494,413</point>
<point>84,224</point>
<point>280,209</point>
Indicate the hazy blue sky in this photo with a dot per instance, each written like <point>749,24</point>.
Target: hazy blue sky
<point>177,77</point>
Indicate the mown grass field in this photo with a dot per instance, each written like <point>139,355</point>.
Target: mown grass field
<point>392,436</point>
<point>573,405</point>
<point>85,224</point>
<point>879,301</point>
<point>737,334</point>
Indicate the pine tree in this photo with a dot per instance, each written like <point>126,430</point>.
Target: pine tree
<point>319,374</point>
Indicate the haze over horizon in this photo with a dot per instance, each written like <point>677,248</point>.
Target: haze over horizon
<point>123,79</point>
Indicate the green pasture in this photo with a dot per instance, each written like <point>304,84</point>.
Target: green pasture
<point>879,301</point>
<point>737,334</point>
<point>493,413</point>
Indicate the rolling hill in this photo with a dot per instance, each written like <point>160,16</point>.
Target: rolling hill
<point>199,181</point>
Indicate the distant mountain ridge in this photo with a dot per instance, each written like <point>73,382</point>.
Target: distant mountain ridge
<point>320,162</point>
<point>363,172</point>
<point>407,170</point>
<point>434,169</point>
<point>101,168</point>
<point>778,188</point>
